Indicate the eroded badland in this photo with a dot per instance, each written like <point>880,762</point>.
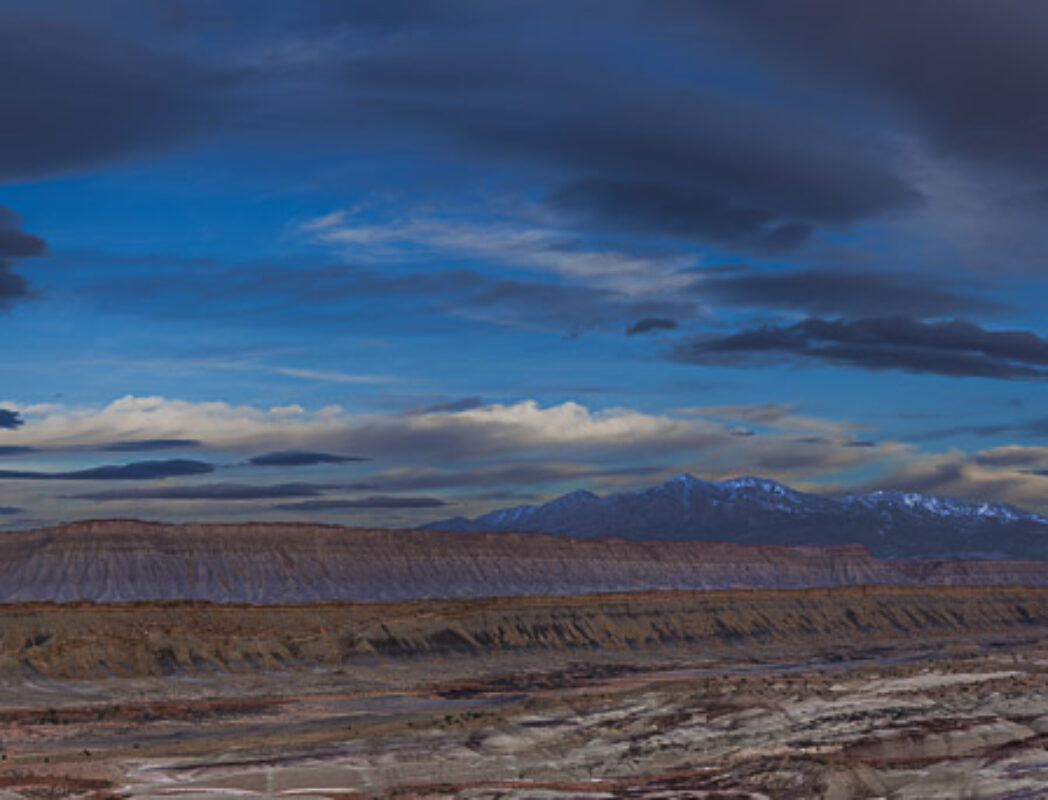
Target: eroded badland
<point>851,692</point>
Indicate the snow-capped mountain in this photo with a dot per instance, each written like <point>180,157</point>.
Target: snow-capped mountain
<point>915,503</point>
<point>755,510</point>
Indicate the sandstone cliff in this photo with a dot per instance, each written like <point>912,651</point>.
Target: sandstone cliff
<point>89,641</point>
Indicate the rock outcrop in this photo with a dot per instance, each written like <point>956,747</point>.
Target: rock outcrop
<point>90,641</point>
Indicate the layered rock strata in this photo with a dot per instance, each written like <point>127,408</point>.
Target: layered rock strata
<point>130,561</point>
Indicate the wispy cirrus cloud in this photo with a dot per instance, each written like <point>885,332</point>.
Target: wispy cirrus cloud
<point>843,291</point>
<point>515,242</point>
<point>363,504</point>
<point>323,294</point>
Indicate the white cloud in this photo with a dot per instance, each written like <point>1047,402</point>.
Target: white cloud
<point>328,376</point>
<point>515,242</point>
<point>506,444</point>
<point>490,428</point>
<point>525,429</point>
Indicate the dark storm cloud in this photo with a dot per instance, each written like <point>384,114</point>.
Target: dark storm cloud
<point>10,511</point>
<point>211,491</point>
<point>633,147</point>
<point>146,445</point>
<point>80,98</point>
<point>12,286</point>
<point>365,503</point>
<point>955,348</point>
<point>15,450</point>
<point>973,75</point>
<point>14,244</point>
<point>684,211</point>
<point>650,325</point>
<point>300,458</point>
<point>841,292</point>
<point>523,85</point>
<point>9,420</point>
<point>138,470</point>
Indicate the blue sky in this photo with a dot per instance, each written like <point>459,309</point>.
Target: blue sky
<point>456,256</point>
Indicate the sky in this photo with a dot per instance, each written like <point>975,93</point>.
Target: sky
<point>379,263</point>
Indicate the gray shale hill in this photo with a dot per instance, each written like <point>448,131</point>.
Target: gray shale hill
<point>272,563</point>
<point>758,511</point>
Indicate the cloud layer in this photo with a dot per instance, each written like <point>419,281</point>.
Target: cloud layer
<point>68,74</point>
<point>136,471</point>
<point>955,348</point>
<point>506,248</point>
<point>300,458</point>
<point>14,244</point>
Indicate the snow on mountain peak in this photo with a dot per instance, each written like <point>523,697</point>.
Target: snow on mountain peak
<point>684,479</point>
<point>891,524</point>
<point>939,506</point>
<point>571,499</point>
<point>754,482</point>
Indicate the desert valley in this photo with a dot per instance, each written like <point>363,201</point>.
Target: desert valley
<point>275,660</point>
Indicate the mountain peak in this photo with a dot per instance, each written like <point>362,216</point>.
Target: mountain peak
<point>941,506</point>
<point>755,482</point>
<point>571,498</point>
<point>684,477</point>
<point>753,510</point>
<point>683,481</point>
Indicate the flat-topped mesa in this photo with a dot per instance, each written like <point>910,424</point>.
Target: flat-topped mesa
<point>129,560</point>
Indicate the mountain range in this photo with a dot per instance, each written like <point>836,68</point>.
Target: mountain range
<point>751,510</point>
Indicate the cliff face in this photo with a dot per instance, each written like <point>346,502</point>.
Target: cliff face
<point>86,641</point>
<point>124,561</point>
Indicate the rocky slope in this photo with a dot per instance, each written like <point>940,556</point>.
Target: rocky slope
<point>121,561</point>
<point>843,694</point>
<point>90,641</point>
<point>758,511</point>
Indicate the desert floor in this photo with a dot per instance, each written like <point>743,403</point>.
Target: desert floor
<point>933,714</point>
